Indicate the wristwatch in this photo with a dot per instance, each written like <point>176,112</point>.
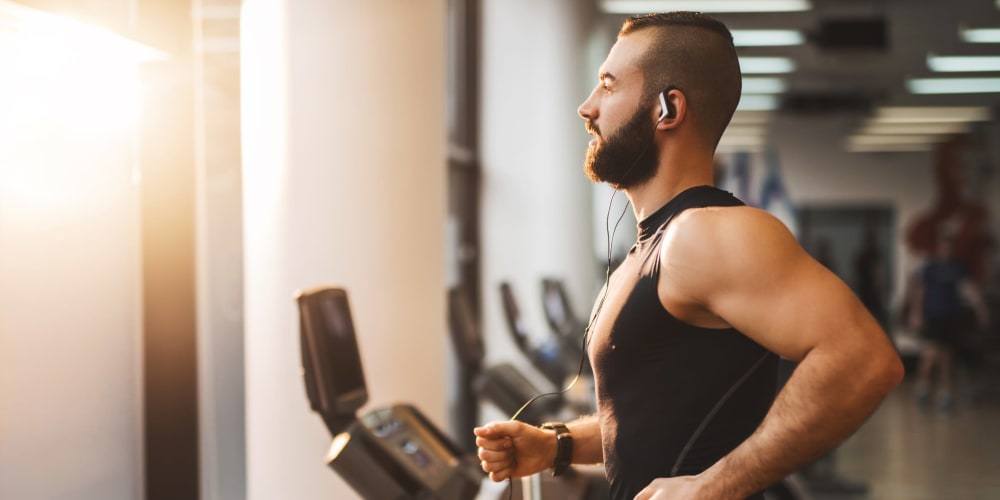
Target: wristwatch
<point>564,447</point>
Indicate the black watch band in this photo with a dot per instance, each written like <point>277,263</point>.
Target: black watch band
<point>564,447</point>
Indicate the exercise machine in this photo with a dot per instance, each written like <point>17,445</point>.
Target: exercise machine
<point>502,384</point>
<point>559,312</point>
<point>557,358</point>
<point>508,389</point>
<point>387,453</point>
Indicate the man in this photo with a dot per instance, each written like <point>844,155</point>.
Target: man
<point>685,344</point>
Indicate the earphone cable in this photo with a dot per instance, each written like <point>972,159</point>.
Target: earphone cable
<point>600,304</point>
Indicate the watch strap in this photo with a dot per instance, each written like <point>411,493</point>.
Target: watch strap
<point>564,447</point>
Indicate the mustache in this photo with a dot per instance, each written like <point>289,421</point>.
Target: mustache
<point>592,127</point>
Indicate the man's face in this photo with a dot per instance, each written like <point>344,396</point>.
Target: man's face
<point>626,157</point>
<point>622,120</point>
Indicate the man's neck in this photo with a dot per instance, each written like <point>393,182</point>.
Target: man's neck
<point>672,177</point>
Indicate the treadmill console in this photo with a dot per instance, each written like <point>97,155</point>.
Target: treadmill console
<point>393,453</point>
<point>390,453</point>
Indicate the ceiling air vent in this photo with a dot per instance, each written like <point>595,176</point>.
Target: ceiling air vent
<point>826,102</point>
<point>851,34</point>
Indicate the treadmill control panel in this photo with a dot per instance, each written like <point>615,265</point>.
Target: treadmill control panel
<point>408,438</point>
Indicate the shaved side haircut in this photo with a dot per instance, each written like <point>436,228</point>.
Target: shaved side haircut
<point>694,53</point>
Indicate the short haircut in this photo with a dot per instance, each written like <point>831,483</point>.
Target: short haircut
<point>694,53</point>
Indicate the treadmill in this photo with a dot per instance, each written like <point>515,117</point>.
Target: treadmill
<point>548,357</point>
<point>392,453</point>
<point>563,320</point>
<point>508,389</point>
<point>502,384</point>
<point>558,309</point>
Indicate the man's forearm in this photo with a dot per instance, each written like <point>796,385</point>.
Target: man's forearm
<point>587,447</point>
<point>825,401</point>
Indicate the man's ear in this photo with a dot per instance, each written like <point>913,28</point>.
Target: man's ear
<point>673,108</point>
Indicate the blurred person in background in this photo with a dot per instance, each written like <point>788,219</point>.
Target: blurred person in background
<point>939,313</point>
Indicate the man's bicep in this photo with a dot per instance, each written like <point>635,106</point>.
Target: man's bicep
<point>786,301</point>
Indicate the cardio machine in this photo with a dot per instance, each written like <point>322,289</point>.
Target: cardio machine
<point>559,313</point>
<point>508,389</point>
<point>392,453</point>
<point>553,358</point>
<point>502,384</point>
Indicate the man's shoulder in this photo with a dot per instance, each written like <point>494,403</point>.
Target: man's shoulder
<point>705,222</point>
<point>725,239</point>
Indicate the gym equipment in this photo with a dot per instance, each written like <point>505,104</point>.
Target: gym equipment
<point>559,311</point>
<point>549,357</point>
<point>563,320</point>
<point>508,389</point>
<point>503,384</point>
<point>387,453</point>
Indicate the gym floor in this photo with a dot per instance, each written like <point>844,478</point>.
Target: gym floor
<point>905,453</point>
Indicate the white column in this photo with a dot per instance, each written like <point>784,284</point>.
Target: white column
<point>344,184</point>
<point>536,199</point>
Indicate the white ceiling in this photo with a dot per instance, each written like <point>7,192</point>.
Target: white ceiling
<point>832,80</point>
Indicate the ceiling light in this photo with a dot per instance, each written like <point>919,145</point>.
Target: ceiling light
<point>888,148</point>
<point>635,6</point>
<point>767,38</point>
<point>932,114</point>
<point>892,139</point>
<point>764,86</point>
<point>980,35</point>
<point>877,128</point>
<point>870,143</point>
<point>765,65</point>
<point>963,63</point>
<point>953,85</point>
<point>762,102</point>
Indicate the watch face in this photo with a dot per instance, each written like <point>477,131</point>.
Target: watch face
<point>559,427</point>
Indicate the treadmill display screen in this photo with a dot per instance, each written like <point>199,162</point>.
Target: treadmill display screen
<point>342,346</point>
<point>330,358</point>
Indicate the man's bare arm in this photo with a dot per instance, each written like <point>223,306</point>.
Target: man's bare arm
<point>746,269</point>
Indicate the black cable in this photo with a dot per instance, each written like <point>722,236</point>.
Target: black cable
<point>593,318</point>
<point>600,304</point>
<point>610,233</point>
<point>586,332</point>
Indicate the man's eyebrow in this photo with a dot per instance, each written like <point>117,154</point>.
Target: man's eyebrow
<point>605,76</point>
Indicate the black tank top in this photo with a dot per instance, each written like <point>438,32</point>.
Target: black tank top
<point>673,398</point>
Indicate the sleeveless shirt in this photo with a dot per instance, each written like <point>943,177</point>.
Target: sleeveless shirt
<point>672,398</point>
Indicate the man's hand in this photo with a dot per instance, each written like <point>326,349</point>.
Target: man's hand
<point>514,449</point>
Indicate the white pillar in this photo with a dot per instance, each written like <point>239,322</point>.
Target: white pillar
<point>344,183</point>
<point>536,199</point>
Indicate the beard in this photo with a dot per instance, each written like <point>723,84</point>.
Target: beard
<point>623,160</point>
